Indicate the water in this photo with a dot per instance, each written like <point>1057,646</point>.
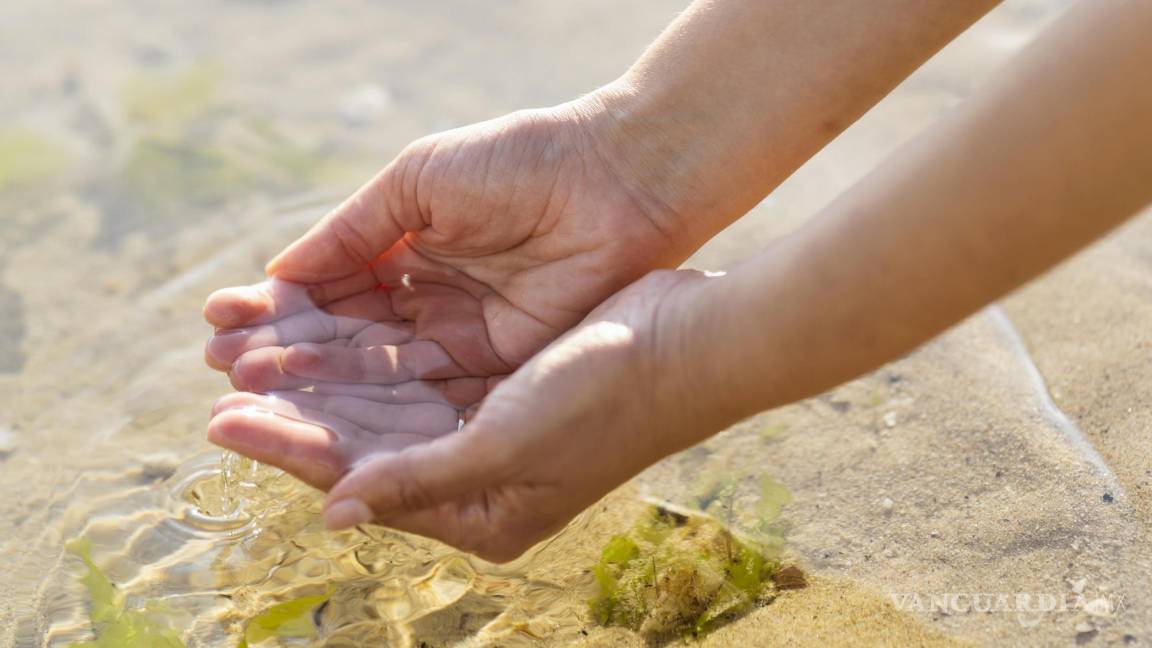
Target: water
<point>168,153</point>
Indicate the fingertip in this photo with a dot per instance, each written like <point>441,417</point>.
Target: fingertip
<point>229,308</point>
<point>224,347</point>
<point>283,265</point>
<point>346,513</point>
<point>231,428</point>
<point>230,401</point>
<point>211,360</point>
<point>274,267</point>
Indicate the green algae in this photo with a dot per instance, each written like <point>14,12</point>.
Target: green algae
<point>27,157</point>
<point>772,431</point>
<point>774,496</point>
<point>676,574</point>
<point>288,619</point>
<point>115,625</point>
<point>190,145</point>
<point>169,101</point>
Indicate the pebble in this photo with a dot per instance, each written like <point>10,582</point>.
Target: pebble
<point>1079,585</point>
<point>890,419</point>
<point>7,442</point>
<point>158,466</point>
<point>934,533</point>
<point>1084,627</point>
<point>887,504</point>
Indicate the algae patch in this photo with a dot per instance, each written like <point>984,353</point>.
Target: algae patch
<point>115,625</point>
<point>27,157</point>
<point>151,625</point>
<point>676,574</point>
<point>291,618</point>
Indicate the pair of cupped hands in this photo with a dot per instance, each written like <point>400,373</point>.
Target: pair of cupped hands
<point>477,345</point>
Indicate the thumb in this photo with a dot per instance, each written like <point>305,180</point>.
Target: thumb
<point>399,484</point>
<point>350,237</point>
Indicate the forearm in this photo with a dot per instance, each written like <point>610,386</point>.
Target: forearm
<point>1053,154</point>
<point>737,94</point>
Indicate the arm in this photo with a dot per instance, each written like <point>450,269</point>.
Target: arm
<point>737,94</point>
<point>1053,154</point>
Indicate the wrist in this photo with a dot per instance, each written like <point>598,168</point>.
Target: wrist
<point>693,373</point>
<point>673,162</point>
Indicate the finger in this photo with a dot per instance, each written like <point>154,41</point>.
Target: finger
<point>274,404</point>
<point>470,524</point>
<point>424,419</point>
<point>477,523</point>
<point>348,416</point>
<point>310,326</point>
<point>310,452</point>
<point>316,454</point>
<point>262,370</point>
<point>393,485</point>
<point>275,298</point>
<point>385,364</point>
<point>458,392</point>
<point>346,240</point>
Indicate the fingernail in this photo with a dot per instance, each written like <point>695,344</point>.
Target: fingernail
<point>346,513</point>
<point>227,332</point>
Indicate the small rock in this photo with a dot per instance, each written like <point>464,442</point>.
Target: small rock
<point>363,104</point>
<point>1078,585</point>
<point>1107,498</point>
<point>889,553</point>
<point>154,467</point>
<point>887,504</point>
<point>890,419</point>
<point>934,533</point>
<point>1085,627</point>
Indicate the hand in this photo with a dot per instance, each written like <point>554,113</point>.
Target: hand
<point>465,256</point>
<point>587,413</point>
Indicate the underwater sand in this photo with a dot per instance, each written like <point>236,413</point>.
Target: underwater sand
<point>165,139</point>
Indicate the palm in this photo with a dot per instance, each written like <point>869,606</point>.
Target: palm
<point>462,259</point>
<point>516,473</point>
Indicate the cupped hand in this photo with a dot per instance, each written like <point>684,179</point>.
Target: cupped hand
<point>591,410</point>
<point>466,255</point>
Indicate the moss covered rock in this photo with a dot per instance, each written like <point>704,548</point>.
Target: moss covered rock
<point>675,574</point>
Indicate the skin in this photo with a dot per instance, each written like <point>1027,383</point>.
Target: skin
<point>1035,166</point>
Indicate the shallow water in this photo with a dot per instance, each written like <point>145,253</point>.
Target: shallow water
<point>160,152</point>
